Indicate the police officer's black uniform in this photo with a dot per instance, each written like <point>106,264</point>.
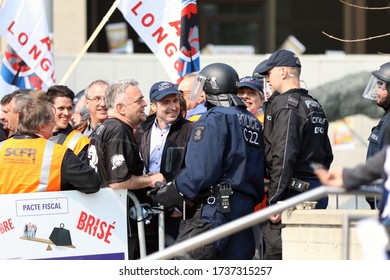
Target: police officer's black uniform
<point>377,136</point>
<point>295,134</point>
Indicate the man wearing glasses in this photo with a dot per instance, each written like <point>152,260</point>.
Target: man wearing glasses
<point>95,101</point>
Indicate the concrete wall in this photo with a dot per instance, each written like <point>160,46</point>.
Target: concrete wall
<point>318,234</point>
<point>145,68</point>
<point>69,20</point>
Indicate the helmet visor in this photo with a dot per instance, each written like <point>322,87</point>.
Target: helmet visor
<point>197,87</point>
<point>373,87</point>
<point>266,90</point>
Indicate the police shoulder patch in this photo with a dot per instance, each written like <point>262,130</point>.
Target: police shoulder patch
<point>199,132</point>
<point>293,102</point>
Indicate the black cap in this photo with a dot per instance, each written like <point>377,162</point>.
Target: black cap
<point>280,58</point>
<point>258,67</point>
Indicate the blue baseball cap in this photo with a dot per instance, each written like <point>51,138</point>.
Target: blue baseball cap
<point>161,89</point>
<point>280,58</point>
<point>251,82</point>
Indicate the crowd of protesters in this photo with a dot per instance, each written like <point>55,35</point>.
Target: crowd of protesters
<point>205,150</point>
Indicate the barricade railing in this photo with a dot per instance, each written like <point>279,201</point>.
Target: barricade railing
<point>376,185</point>
<point>140,224</point>
<point>251,220</point>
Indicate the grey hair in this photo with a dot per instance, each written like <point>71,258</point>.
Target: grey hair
<point>84,113</point>
<point>35,114</point>
<point>115,93</point>
<point>21,99</point>
<point>95,83</point>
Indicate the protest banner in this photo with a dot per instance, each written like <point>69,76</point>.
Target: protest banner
<point>170,29</point>
<point>64,225</point>
<point>28,60</point>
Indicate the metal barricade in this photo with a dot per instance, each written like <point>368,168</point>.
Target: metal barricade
<point>249,221</point>
<point>142,213</point>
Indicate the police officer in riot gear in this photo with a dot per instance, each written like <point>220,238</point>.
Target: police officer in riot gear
<point>220,84</point>
<point>224,161</point>
<point>378,89</point>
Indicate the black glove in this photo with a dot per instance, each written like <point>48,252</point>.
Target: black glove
<point>168,195</point>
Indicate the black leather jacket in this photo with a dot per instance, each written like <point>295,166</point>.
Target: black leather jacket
<point>175,146</point>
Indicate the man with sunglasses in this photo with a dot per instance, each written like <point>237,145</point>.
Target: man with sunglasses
<point>378,89</point>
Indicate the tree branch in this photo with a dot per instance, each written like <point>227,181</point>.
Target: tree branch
<point>355,40</point>
<point>365,8</point>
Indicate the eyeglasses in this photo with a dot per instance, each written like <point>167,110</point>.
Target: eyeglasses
<point>97,100</point>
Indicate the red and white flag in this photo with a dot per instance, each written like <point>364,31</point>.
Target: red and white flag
<point>28,60</point>
<point>170,29</point>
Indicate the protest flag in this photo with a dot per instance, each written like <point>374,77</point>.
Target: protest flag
<point>28,60</point>
<point>170,30</point>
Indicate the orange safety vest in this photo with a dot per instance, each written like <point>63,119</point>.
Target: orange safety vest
<point>260,117</point>
<point>30,165</point>
<point>76,141</point>
<point>263,203</point>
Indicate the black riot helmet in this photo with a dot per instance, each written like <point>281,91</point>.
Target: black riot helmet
<point>379,80</point>
<point>220,83</point>
<point>383,73</point>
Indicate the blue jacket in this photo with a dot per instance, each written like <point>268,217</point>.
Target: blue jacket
<point>226,145</point>
<point>377,136</point>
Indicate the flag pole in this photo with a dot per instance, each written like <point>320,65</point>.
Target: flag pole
<point>89,42</point>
